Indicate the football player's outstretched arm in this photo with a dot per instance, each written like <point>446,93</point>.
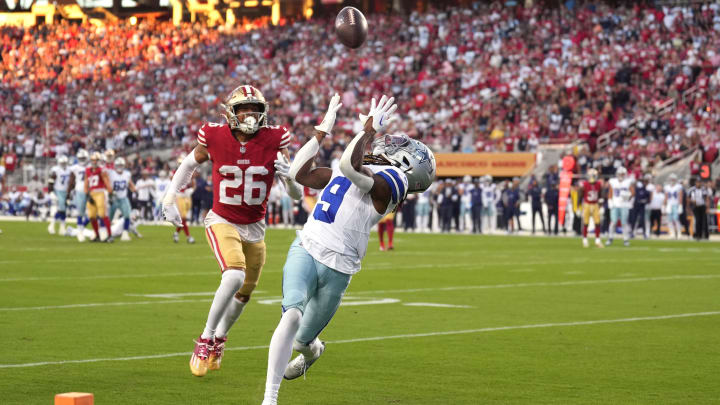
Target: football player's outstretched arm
<point>183,176</point>
<point>351,160</point>
<point>301,169</point>
<point>282,169</point>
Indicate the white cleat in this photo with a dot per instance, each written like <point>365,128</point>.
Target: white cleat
<point>81,235</point>
<point>299,366</point>
<point>51,229</point>
<point>176,237</point>
<point>125,237</point>
<point>585,243</point>
<point>599,244</point>
<point>61,230</point>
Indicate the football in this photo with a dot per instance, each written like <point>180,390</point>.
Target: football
<point>351,27</point>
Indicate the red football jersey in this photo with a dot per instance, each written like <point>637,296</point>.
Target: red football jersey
<point>591,191</point>
<point>94,178</point>
<point>242,172</point>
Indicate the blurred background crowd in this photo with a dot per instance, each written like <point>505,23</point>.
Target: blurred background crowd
<point>631,85</point>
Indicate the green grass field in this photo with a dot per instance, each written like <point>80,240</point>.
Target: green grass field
<point>526,320</point>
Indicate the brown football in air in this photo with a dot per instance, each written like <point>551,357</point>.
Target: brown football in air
<point>351,27</point>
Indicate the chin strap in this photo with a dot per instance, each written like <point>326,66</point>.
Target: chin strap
<point>183,176</point>
<point>360,180</point>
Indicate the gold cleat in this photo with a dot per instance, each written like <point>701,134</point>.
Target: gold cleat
<point>216,353</point>
<point>199,361</point>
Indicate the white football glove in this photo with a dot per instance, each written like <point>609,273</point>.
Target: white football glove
<point>282,166</point>
<point>329,121</point>
<point>170,211</point>
<point>381,112</point>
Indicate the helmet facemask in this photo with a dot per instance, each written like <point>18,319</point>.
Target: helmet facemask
<point>408,155</point>
<point>247,122</point>
<point>239,116</point>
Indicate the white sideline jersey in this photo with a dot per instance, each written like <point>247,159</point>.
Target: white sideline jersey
<point>62,178</point>
<point>673,192</point>
<point>120,183</point>
<point>336,233</point>
<point>161,185</point>
<point>622,196</point>
<point>488,195</point>
<point>79,171</point>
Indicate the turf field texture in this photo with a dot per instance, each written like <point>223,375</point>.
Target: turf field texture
<point>442,319</point>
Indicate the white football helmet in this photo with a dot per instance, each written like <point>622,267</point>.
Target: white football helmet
<point>62,161</point>
<point>251,121</point>
<point>410,156</point>
<point>621,173</point>
<point>83,156</point>
<point>119,164</point>
<point>673,178</point>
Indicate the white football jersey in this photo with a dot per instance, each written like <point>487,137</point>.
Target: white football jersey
<point>120,183</point>
<point>161,186</point>
<point>62,178</point>
<point>622,196</point>
<point>79,171</point>
<point>673,192</point>
<point>336,233</point>
<point>488,195</point>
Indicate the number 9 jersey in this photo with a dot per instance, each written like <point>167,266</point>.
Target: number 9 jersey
<point>336,233</point>
<point>242,172</point>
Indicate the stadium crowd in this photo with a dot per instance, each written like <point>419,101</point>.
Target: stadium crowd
<point>482,79</point>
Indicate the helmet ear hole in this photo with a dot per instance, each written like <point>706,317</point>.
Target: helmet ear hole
<point>406,162</point>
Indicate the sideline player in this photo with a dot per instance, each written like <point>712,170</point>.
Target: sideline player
<point>58,183</point>
<point>329,249</point>
<point>96,182</point>
<point>489,204</point>
<point>77,181</point>
<point>620,193</point>
<point>243,154</point>
<point>591,189</point>
<point>121,180</point>
<point>184,203</point>
<point>387,223</point>
<point>674,195</point>
<point>162,182</point>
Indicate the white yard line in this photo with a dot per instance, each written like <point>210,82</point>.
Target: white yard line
<point>409,290</point>
<point>433,304</point>
<point>544,284</point>
<point>379,338</point>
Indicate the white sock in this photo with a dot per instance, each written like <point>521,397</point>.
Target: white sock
<point>231,282</point>
<point>281,346</point>
<point>231,315</point>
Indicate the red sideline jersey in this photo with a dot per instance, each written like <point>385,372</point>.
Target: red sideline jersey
<point>94,178</point>
<point>242,172</point>
<point>591,192</point>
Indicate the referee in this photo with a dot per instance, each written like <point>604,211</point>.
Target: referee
<point>700,200</point>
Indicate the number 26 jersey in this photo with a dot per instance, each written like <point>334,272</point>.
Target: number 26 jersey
<point>336,233</point>
<point>242,172</point>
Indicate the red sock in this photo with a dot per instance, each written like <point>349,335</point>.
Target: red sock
<point>597,231</point>
<point>391,231</point>
<point>94,224</point>
<point>381,233</point>
<point>185,228</point>
<point>585,231</point>
<point>106,220</point>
